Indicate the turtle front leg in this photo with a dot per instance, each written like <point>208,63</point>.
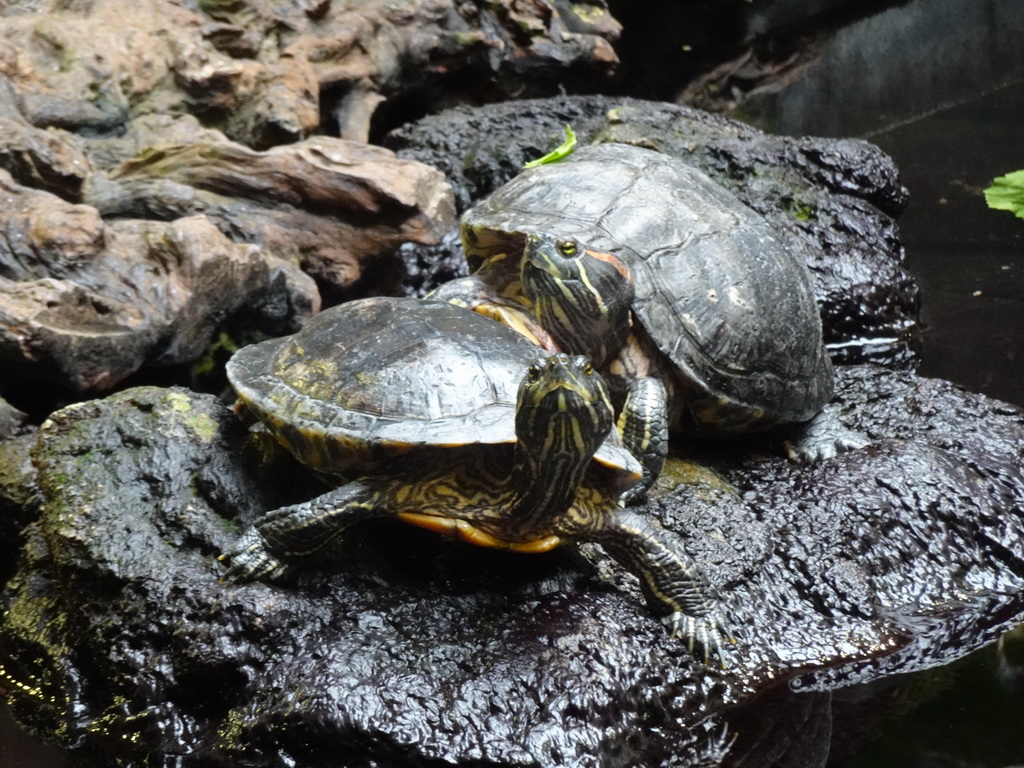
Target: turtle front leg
<point>280,537</point>
<point>670,580</point>
<point>643,427</point>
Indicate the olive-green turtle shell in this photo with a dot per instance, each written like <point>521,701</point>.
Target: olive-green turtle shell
<point>717,289</point>
<point>375,377</point>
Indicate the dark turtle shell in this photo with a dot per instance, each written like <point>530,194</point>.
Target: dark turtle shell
<point>717,289</point>
<point>375,377</point>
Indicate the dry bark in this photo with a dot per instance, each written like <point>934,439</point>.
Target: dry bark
<point>270,72</point>
<point>86,302</point>
<point>330,205</point>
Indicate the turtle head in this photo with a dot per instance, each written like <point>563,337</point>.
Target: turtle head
<point>563,415</point>
<point>582,297</point>
<point>563,411</point>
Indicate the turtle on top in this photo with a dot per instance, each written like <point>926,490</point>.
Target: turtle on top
<point>697,313</point>
<point>434,415</point>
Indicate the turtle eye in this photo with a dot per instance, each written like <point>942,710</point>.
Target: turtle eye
<point>568,247</point>
<point>534,372</point>
<point>587,368</point>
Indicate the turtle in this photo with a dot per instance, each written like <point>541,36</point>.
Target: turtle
<point>654,271</point>
<point>432,414</point>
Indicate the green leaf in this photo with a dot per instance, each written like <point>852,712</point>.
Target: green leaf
<point>1007,193</point>
<point>562,152</point>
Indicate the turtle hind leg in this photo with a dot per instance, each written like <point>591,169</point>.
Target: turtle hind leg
<point>674,588</point>
<point>643,427</point>
<point>823,437</point>
<point>284,536</point>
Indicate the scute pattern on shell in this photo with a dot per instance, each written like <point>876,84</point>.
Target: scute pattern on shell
<point>717,289</point>
<point>379,376</point>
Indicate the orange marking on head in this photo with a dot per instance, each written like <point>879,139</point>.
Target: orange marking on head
<point>615,261</point>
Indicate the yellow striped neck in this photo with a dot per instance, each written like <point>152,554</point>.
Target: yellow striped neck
<point>543,491</point>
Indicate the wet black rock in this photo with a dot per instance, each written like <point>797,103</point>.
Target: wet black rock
<point>835,201</point>
<point>119,638</point>
<point>19,496</point>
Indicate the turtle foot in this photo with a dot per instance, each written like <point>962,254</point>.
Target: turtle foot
<point>250,561</point>
<point>823,437</point>
<point>704,636</point>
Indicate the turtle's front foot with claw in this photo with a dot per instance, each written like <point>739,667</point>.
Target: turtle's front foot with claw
<point>705,636</point>
<point>251,561</point>
<point>671,581</point>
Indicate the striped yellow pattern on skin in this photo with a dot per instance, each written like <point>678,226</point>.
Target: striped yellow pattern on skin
<point>403,494</point>
<point>621,427</point>
<point>648,575</point>
<point>571,385</point>
<point>551,447</point>
<point>318,543</point>
<point>577,436</point>
<point>587,513</point>
<point>602,306</point>
<point>550,314</point>
<point>570,300</point>
<point>576,298</point>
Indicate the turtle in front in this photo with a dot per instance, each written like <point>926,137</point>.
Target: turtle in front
<point>434,415</point>
<point>655,272</point>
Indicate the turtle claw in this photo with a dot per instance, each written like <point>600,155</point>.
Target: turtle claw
<point>823,437</point>
<point>250,561</point>
<point>811,451</point>
<point>704,636</point>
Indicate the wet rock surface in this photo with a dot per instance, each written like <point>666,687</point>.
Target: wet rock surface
<point>835,201</point>
<point>19,495</point>
<point>421,651</point>
<point>159,185</point>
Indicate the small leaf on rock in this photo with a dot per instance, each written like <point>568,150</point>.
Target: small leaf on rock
<point>563,151</point>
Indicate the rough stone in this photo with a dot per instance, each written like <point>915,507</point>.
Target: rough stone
<point>125,267</point>
<point>12,421</point>
<point>834,201</point>
<point>416,650</point>
<point>19,494</point>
